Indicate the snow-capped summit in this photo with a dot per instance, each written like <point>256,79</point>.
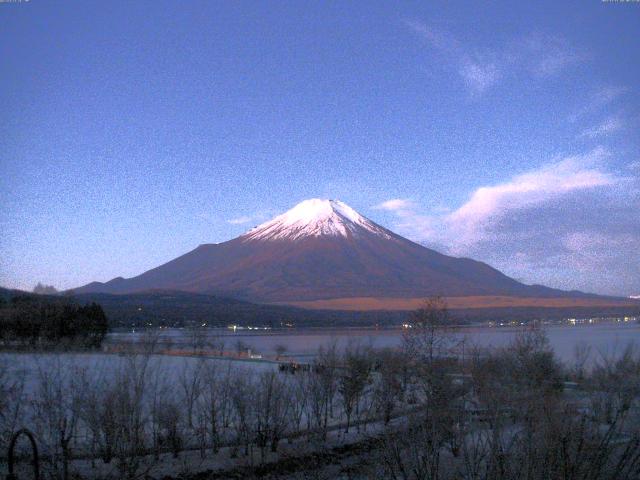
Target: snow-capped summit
<point>313,218</point>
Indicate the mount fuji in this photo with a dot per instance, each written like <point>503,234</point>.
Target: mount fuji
<point>323,250</point>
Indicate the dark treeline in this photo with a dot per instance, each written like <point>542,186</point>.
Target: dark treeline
<point>35,320</point>
<point>182,309</point>
<point>179,309</point>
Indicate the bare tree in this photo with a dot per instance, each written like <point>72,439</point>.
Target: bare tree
<point>271,411</point>
<point>126,415</point>
<point>190,384</point>
<point>353,379</point>
<point>299,392</point>
<point>215,400</point>
<point>515,392</point>
<point>149,341</point>
<point>322,387</point>
<point>582,353</point>
<point>388,382</point>
<point>428,335</point>
<point>158,389</point>
<point>12,385</point>
<point>97,415</point>
<point>241,398</point>
<point>615,384</point>
<point>170,425</point>
<point>57,405</point>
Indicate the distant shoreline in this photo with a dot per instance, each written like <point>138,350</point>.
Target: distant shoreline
<point>302,330</point>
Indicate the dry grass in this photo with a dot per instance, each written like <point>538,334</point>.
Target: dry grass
<point>390,303</point>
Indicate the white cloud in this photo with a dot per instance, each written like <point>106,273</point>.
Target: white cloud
<point>240,220</point>
<point>475,220</point>
<point>610,125</point>
<point>395,204</point>
<point>489,205</point>
<point>572,223</point>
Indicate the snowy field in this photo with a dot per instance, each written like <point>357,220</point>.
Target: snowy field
<point>53,378</point>
<point>139,409</point>
<point>30,367</point>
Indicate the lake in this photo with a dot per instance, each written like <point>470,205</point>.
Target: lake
<point>604,339</point>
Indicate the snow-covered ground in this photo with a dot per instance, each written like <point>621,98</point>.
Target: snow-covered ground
<point>100,365</point>
<point>51,383</point>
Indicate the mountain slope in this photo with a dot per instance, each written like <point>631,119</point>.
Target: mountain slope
<point>322,249</point>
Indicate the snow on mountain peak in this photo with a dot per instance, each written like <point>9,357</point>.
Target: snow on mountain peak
<point>312,218</point>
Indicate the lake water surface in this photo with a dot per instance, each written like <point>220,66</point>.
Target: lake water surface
<point>604,339</point>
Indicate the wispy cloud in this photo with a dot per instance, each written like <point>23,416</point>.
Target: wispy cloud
<point>608,126</point>
<point>546,55</point>
<point>607,94</point>
<point>598,99</point>
<point>240,220</point>
<point>408,219</point>
<point>479,77</point>
<point>437,39</point>
<point>395,205</point>
<point>481,69</point>
<point>594,250</point>
<point>256,217</point>
<point>477,72</point>
<point>593,241</point>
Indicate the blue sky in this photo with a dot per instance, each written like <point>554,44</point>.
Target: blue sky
<point>131,132</point>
